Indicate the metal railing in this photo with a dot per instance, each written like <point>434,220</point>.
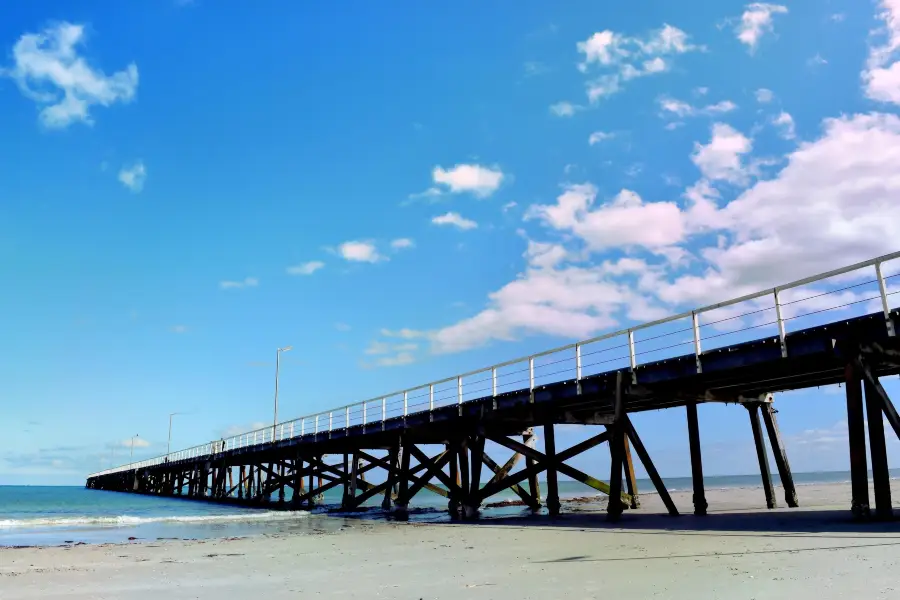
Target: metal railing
<point>458,388</point>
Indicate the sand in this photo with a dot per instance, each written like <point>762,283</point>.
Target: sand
<point>815,552</point>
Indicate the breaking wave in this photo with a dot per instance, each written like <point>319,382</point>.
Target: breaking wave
<point>130,521</point>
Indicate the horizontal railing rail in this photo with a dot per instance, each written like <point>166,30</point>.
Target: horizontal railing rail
<point>454,390</point>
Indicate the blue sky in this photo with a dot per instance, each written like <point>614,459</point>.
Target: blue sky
<point>403,194</point>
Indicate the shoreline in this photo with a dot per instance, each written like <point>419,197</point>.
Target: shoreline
<point>740,551</point>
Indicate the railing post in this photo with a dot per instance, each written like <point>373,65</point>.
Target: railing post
<point>494,381</point>
<point>884,301</point>
<point>631,355</point>
<point>317,424</point>
<point>254,438</point>
<point>302,426</point>
<point>346,417</point>
<point>459,393</point>
<point>383,411</point>
<point>430,397</point>
<point>780,323</point>
<point>330,420</point>
<point>292,429</point>
<point>578,368</point>
<point>364,412</point>
<point>531,379</point>
<point>405,403</point>
<point>695,319</point>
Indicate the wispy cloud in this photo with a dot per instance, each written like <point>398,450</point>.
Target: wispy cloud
<point>455,220</point>
<point>133,176</point>
<point>235,285</point>
<point>402,243</point>
<point>307,268</point>
<point>178,328</point>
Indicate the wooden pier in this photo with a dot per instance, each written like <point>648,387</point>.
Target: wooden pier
<point>293,464</point>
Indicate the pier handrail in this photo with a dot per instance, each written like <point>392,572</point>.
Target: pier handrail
<point>297,428</point>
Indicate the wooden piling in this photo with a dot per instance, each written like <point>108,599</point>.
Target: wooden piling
<point>780,453</point>
<point>881,476</point>
<point>553,504</point>
<point>534,486</point>
<point>700,504</point>
<point>856,428</point>
<point>616,451</point>
<point>761,456</point>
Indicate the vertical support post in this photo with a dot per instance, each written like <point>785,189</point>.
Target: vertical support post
<point>494,382</point>
<point>761,455</point>
<point>346,417</point>
<point>695,320</point>
<point>330,421</point>
<point>856,428</point>
<point>345,500</point>
<point>534,486</point>
<point>700,504</point>
<point>317,424</point>
<point>459,393</point>
<point>391,474</point>
<point>881,476</point>
<point>553,503</point>
<point>430,397</point>
<point>405,403</point>
<point>463,449</point>
<point>616,450</point>
<point>632,356</point>
<point>298,482</point>
<point>780,323</point>
<point>630,479</point>
<point>476,448</point>
<point>354,473</point>
<point>281,484</point>
<point>364,405</point>
<point>884,301</point>
<point>383,412</point>
<point>402,500</point>
<point>453,504</point>
<point>780,453</point>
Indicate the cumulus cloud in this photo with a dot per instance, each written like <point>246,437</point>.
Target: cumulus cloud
<point>133,176</point>
<point>764,96</point>
<point>402,243</point>
<point>621,58</point>
<point>454,220</point>
<point>670,107</point>
<point>785,124</point>
<point>307,268</point>
<point>475,179</point>
<point>48,69</point>
<point>756,21</point>
<point>881,77</point>
<point>564,109</point>
<point>234,285</point>
<point>600,136</point>
<point>721,159</point>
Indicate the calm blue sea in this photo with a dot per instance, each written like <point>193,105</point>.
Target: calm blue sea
<point>31,515</point>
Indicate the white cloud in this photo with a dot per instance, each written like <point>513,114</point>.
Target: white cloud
<point>431,195</point>
<point>721,159</point>
<point>391,355</point>
<point>881,77</point>
<point>756,22</point>
<point>245,283</point>
<point>134,176</point>
<point>138,442</point>
<point>359,251</point>
<point>564,109</point>
<point>624,221</point>
<point>402,243</point>
<point>406,334</point>
<point>816,61</point>
<point>509,206</point>
<point>455,220</point>
<point>785,124</point>
<point>625,58</point>
<point>49,70</point>
<point>307,268</point>
<point>679,108</point>
<point>600,136</point>
<point>701,91</point>
<point>478,180</point>
<point>764,96</point>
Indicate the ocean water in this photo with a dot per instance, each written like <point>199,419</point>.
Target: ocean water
<point>37,516</point>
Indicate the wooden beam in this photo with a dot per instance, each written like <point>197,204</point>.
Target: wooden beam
<point>534,485</point>
<point>616,449</point>
<point>780,452</point>
<point>430,472</point>
<point>856,428</point>
<point>761,456</point>
<point>700,504</point>
<point>881,476</point>
<point>393,456</point>
<point>501,473</point>
<point>402,493</point>
<point>553,504</point>
<point>630,479</point>
<point>879,392</point>
<point>658,482</point>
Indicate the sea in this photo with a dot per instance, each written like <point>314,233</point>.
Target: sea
<point>52,516</point>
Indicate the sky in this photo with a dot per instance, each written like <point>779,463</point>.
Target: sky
<point>408,192</point>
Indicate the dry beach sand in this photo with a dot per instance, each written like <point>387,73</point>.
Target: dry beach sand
<point>737,552</point>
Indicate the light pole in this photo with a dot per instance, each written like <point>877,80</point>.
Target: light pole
<point>277,364</point>
<point>169,444</point>
<point>131,460</point>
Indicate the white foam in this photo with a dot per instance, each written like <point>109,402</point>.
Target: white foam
<point>130,521</point>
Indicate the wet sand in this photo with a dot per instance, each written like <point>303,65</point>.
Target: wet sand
<point>738,551</point>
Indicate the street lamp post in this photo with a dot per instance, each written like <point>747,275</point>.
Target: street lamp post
<point>277,365</point>
<point>169,444</point>
<point>131,460</point>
